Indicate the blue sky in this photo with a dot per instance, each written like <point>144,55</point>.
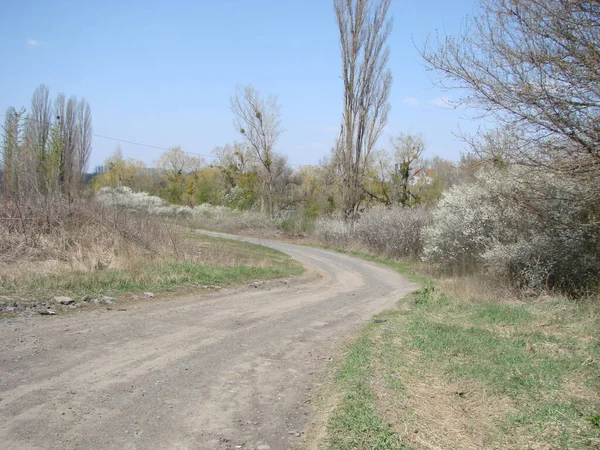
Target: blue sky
<point>162,73</point>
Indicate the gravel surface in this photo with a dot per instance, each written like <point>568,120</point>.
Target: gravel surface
<point>233,369</point>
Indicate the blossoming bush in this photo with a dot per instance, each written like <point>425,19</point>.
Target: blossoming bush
<point>393,232</point>
<point>527,227</point>
<point>220,218</point>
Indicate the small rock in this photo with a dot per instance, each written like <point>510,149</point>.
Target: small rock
<point>263,447</point>
<point>87,298</point>
<point>149,294</point>
<point>47,312</point>
<point>380,320</point>
<point>11,309</point>
<point>13,304</point>
<point>64,300</point>
<point>105,301</point>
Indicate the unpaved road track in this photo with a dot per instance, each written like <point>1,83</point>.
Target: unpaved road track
<point>200,372</point>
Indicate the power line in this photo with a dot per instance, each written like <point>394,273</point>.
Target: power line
<point>149,145</point>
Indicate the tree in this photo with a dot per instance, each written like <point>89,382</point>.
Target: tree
<point>364,30</point>
<point>535,67</point>
<point>83,148</point>
<point>233,161</point>
<point>259,122</point>
<point>408,156</point>
<point>39,123</point>
<point>176,164</point>
<point>120,173</point>
<point>318,190</point>
<point>12,147</point>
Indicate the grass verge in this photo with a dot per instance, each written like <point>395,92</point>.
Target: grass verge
<point>210,261</point>
<point>452,372</point>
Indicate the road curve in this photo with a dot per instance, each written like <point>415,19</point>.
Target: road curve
<point>200,372</point>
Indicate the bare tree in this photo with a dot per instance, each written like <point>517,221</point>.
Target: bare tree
<point>535,67</point>
<point>259,122</point>
<point>175,162</point>
<point>364,30</point>
<point>38,130</point>
<point>68,169</point>
<point>75,121</point>
<point>83,148</point>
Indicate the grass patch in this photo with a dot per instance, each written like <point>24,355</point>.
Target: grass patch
<point>465,373</point>
<point>214,261</point>
<point>501,314</point>
<point>355,423</point>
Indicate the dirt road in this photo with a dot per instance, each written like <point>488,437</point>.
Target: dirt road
<point>234,368</point>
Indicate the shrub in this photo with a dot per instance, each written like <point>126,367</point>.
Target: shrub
<point>529,228</point>
<point>393,232</point>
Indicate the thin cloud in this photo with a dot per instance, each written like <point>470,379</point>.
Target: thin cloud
<point>411,101</point>
<point>32,43</point>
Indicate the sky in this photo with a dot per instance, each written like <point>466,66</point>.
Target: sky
<point>161,73</point>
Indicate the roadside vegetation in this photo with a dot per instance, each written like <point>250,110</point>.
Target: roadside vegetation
<point>202,262</point>
<point>85,249</point>
<point>459,365</point>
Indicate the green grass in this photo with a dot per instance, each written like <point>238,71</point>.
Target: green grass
<point>355,423</point>
<point>221,262</point>
<point>494,373</point>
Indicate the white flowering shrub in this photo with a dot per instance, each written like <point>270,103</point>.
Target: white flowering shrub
<point>333,231</point>
<point>469,220</point>
<point>393,232</point>
<point>528,227</point>
<point>125,197</point>
<point>219,218</point>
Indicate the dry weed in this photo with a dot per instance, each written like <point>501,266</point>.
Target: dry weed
<point>50,236</point>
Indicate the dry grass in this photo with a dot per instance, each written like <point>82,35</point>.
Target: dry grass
<point>465,364</point>
<point>85,249</point>
<point>59,235</point>
<point>428,410</point>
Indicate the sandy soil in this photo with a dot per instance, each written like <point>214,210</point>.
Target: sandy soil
<point>234,369</point>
